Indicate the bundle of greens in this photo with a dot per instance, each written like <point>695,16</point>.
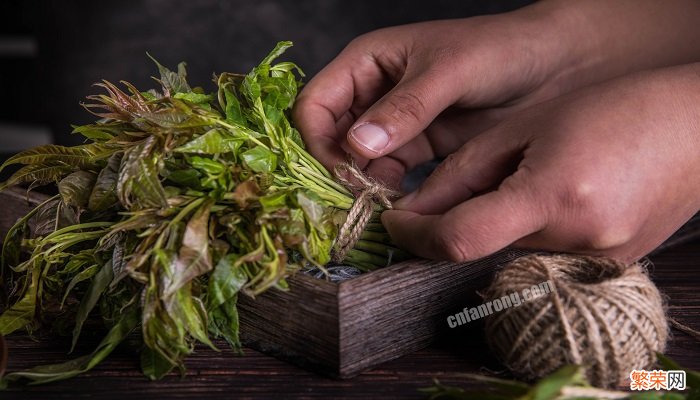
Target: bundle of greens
<point>179,201</point>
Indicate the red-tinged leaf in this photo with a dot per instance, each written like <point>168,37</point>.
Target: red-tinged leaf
<point>104,191</point>
<point>246,193</point>
<point>194,258</point>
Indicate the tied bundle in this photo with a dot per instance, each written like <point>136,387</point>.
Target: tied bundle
<point>602,314</point>
<point>180,201</point>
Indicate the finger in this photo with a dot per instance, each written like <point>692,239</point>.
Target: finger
<point>480,164</point>
<point>324,108</point>
<point>402,114</point>
<point>473,229</point>
<point>391,168</point>
<point>456,126</point>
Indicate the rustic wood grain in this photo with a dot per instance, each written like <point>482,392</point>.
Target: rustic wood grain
<point>254,375</point>
<point>299,326</point>
<point>401,309</point>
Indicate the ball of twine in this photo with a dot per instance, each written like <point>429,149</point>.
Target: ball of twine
<point>602,314</point>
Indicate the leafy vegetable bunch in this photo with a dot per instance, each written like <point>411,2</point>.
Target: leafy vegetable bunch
<point>178,201</point>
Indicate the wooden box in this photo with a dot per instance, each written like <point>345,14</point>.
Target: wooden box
<point>341,329</point>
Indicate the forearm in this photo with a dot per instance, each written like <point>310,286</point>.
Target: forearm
<point>594,40</point>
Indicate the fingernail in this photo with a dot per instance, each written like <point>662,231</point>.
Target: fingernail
<point>370,136</point>
<point>406,200</point>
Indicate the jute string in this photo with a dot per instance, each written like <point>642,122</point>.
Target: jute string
<point>368,193</point>
<point>602,314</point>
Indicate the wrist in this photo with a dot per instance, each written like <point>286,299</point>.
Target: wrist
<point>570,52</point>
<point>595,40</point>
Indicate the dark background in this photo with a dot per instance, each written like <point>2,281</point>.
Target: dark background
<point>52,51</point>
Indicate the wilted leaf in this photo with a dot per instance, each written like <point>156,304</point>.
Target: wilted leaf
<point>104,192</point>
<point>75,188</point>
<point>193,258</point>
<point>55,372</point>
<point>245,193</point>
<point>312,209</point>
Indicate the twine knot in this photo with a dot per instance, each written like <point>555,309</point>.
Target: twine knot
<point>368,193</point>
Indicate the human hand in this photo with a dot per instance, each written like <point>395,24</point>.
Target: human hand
<point>394,85</point>
<point>611,169</point>
<point>411,93</point>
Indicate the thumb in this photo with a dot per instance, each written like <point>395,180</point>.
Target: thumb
<point>401,115</point>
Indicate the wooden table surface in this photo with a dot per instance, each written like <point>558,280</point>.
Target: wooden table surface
<point>257,376</point>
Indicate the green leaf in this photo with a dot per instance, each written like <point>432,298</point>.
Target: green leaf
<point>226,281</point>
<point>188,311</point>
<point>207,165</point>
<point>260,159</point>
<point>97,133</point>
<point>550,387</point>
<point>83,275</point>
<point>22,312</point>
<point>233,108</point>
<point>97,286</point>
<point>55,372</point>
<point>280,48</point>
<point>189,178</point>
<point>154,365</point>
<point>273,201</point>
<point>692,377</point>
<point>104,192</point>
<point>75,188</point>
<point>215,141</point>
<point>37,174</point>
<point>200,99</point>
<point>224,322</point>
<point>77,156</point>
<point>173,82</point>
